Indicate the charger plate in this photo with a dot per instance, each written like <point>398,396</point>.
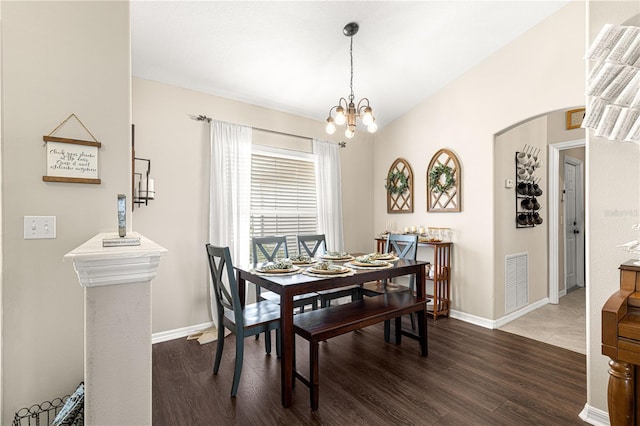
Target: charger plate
<point>277,272</point>
<point>359,265</point>
<point>346,274</point>
<point>342,270</point>
<point>337,258</point>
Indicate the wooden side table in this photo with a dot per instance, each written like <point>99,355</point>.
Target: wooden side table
<point>441,265</point>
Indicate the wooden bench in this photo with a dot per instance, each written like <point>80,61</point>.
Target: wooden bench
<point>323,324</point>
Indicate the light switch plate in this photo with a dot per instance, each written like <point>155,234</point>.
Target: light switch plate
<point>39,227</point>
<point>508,183</point>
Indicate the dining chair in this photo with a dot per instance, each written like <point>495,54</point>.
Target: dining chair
<point>405,247</point>
<point>312,246</point>
<point>268,249</point>
<point>251,320</point>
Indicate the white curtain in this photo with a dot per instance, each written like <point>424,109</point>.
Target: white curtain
<point>329,192</point>
<point>230,189</point>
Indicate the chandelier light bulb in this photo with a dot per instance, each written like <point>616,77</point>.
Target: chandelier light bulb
<point>372,127</point>
<point>349,133</point>
<point>367,116</point>
<point>331,128</point>
<point>340,117</point>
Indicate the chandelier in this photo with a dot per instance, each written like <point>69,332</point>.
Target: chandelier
<point>347,111</point>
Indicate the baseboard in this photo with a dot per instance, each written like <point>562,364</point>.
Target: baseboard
<point>517,314</point>
<point>472,319</point>
<point>487,323</point>
<point>594,416</point>
<point>179,333</point>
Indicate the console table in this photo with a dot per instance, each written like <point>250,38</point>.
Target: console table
<point>441,265</point>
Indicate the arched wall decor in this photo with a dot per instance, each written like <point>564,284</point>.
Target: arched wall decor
<point>399,189</point>
<point>444,186</point>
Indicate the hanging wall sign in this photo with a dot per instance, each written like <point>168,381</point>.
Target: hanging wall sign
<point>71,160</point>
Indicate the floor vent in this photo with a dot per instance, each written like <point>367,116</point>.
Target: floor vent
<point>516,281</point>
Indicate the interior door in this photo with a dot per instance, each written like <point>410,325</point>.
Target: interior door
<point>574,238</point>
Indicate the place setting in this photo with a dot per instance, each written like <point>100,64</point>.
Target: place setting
<point>336,256</point>
<point>281,267</point>
<point>369,261</point>
<point>389,257</point>
<point>302,260</point>
<point>328,269</point>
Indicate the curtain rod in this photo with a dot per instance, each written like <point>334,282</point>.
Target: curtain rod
<point>342,144</point>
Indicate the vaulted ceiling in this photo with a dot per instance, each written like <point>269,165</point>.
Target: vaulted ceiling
<point>292,55</point>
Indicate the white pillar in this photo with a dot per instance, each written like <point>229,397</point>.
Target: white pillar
<point>117,329</point>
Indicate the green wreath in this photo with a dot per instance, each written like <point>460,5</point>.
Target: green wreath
<point>434,178</point>
<point>397,183</point>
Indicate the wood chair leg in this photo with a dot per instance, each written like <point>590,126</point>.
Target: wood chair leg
<point>220,346</point>
<point>314,385</point>
<point>398,330</point>
<point>387,331</point>
<point>278,342</point>
<point>267,341</point>
<point>238,369</point>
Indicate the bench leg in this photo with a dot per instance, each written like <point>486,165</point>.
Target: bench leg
<point>314,385</point>
<point>387,331</point>
<point>398,330</point>
<point>422,331</point>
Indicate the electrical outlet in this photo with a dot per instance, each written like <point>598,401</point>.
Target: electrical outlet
<point>39,227</point>
<point>508,183</point>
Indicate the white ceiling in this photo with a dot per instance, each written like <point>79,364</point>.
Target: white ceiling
<point>292,56</point>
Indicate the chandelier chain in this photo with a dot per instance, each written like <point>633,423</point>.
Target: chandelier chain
<point>351,97</point>
<point>346,111</point>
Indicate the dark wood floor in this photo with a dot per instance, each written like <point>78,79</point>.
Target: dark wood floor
<point>473,376</point>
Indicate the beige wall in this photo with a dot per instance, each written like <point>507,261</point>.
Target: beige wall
<point>538,132</point>
<point>531,76</point>
<point>613,171</point>
<point>178,217</point>
<point>58,58</point>
<point>509,239</point>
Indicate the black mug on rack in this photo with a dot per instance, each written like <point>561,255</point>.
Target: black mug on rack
<point>537,219</point>
<point>535,204</point>
<point>522,188</point>
<point>527,204</point>
<point>523,219</point>
<point>537,191</point>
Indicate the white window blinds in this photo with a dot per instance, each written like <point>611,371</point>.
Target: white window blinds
<point>283,196</point>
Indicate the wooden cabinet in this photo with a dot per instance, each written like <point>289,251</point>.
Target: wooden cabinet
<point>621,343</point>
<point>438,282</point>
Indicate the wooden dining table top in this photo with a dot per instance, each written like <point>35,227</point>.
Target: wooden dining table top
<point>301,283</point>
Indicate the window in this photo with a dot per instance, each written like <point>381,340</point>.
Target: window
<point>283,194</point>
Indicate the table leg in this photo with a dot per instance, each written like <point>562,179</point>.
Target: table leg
<point>422,317</point>
<point>287,354</point>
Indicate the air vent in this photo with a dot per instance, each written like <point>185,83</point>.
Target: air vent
<point>516,277</point>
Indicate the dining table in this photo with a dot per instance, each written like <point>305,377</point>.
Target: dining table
<point>300,282</point>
